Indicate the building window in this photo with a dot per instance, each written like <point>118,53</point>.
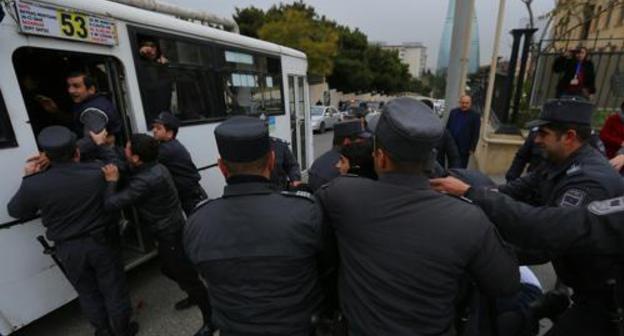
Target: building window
<point>7,137</point>
<point>608,19</point>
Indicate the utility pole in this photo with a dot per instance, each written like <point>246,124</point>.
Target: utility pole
<point>460,49</point>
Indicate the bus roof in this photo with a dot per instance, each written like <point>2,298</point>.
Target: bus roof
<point>168,23</point>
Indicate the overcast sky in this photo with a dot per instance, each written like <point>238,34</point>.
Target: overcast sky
<point>396,21</point>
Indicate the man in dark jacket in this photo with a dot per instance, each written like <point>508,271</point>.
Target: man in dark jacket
<point>177,159</point>
<point>324,169</point>
<point>403,248</point>
<point>464,124</point>
<point>152,191</point>
<point>257,246</point>
<point>286,172</point>
<point>578,76</point>
<point>70,197</point>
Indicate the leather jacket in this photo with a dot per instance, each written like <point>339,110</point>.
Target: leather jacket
<point>151,190</point>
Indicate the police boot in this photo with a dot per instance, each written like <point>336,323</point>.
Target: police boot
<point>206,330</point>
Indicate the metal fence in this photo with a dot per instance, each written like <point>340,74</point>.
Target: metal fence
<point>607,57</point>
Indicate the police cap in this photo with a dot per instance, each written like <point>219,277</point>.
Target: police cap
<point>564,111</point>
<point>242,139</point>
<point>168,120</point>
<point>350,128</point>
<point>56,140</point>
<point>408,130</point>
<point>94,120</point>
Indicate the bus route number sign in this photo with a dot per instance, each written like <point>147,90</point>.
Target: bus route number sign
<point>40,19</point>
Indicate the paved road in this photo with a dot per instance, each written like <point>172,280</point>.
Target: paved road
<point>154,297</point>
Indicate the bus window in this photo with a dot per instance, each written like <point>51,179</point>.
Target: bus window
<point>252,84</point>
<point>177,76</point>
<point>7,137</point>
<point>42,75</point>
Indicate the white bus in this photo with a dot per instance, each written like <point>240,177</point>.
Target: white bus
<point>209,74</point>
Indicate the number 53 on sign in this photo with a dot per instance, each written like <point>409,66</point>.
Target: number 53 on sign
<point>73,25</point>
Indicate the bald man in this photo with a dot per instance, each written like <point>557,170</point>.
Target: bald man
<point>464,125</point>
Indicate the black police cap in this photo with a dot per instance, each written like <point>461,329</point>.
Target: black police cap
<point>408,130</point>
<point>56,139</point>
<point>94,120</point>
<point>168,120</point>
<point>242,139</point>
<point>350,128</point>
<point>564,111</point>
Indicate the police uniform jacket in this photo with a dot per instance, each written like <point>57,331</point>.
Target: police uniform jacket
<point>585,177</point>
<point>324,169</point>
<point>286,166</point>
<point>178,160</point>
<point>152,191</point>
<point>70,197</point>
<point>256,247</point>
<point>404,249</point>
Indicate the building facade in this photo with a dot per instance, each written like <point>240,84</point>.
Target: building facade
<point>414,54</point>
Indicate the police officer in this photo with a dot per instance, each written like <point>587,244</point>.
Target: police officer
<point>323,169</point>
<point>576,173</point>
<point>256,246</point>
<point>286,172</point>
<point>532,155</point>
<point>403,247</point>
<point>151,190</point>
<point>173,155</point>
<point>70,197</point>
<point>564,232</point>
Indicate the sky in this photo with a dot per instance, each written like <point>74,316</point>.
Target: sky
<point>396,21</point>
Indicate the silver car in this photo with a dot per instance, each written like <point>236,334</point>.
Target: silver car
<point>323,117</point>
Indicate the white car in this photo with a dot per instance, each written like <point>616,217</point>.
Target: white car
<point>323,118</point>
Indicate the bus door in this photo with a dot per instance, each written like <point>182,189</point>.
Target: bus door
<point>42,76</point>
<point>299,113</point>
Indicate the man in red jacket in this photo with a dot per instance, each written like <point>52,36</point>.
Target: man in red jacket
<point>612,133</point>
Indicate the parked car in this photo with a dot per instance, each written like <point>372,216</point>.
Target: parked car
<point>324,117</point>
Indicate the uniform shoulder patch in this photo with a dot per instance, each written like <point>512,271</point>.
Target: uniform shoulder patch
<point>606,207</point>
<point>574,169</point>
<point>572,198</point>
<point>299,193</point>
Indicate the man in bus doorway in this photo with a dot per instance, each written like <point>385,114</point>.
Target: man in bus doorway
<point>69,195</point>
<point>173,155</point>
<point>152,191</point>
<point>87,102</point>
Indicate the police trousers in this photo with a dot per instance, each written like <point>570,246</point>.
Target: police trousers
<point>177,267</point>
<point>95,270</point>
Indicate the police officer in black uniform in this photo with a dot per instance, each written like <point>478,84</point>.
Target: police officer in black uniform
<point>173,155</point>
<point>594,234</point>
<point>70,197</point>
<point>324,169</point>
<point>286,172</point>
<point>152,191</point>
<point>576,173</point>
<point>257,246</point>
<point>403,247</point>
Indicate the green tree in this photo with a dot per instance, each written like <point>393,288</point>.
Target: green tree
<point>250,20</point>
<point>296,29</point>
